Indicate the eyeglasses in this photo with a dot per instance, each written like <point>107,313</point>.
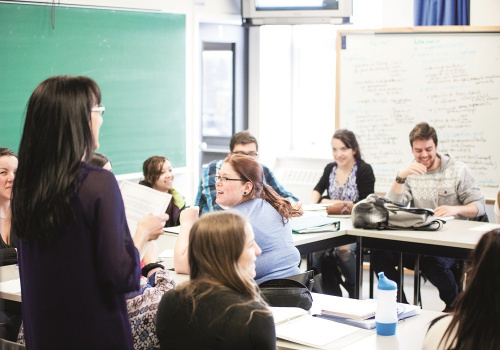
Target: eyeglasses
<point>225,179</point>
<point>100,109</point>
<point>250,154</point>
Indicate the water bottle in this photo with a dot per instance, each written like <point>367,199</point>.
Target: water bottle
<point>386,316</point>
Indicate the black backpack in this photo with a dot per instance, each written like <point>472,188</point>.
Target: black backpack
<point>375,212</point>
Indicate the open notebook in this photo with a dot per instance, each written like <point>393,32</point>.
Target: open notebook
<point>298,326</point>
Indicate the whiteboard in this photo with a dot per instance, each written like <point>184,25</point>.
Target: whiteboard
<point>390,80</point>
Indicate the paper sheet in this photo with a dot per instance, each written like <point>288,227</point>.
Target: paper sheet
<point>485,227</point>
<point>315,207</point>
<point>167,253</point>
<point>313,331</point>
<point>173,229</point>
<point>11,287</point>
<point>140,201</point>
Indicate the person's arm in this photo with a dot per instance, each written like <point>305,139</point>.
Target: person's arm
<point>149,228</point>
<point>413,169</point>
<point>468,211</point>
<point>117,257</point>
<point>365,180</point>
<point>400,191</point>
<point>8,256</point>
<point>315,196</point>
<point>181,261</point>
<point>322,185</point>
<point>270,180</point>
<point>469,194</point>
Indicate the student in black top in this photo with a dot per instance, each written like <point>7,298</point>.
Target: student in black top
<point>159,175</point>
<point>220,307</point>
<point>8,168</point>
<point>346,181</point>
<point>10,311</point>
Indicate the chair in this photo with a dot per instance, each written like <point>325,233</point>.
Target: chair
<point>306,278</point>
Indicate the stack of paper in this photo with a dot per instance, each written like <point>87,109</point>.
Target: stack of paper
<point>361,313</point>
<point>140,201</point>
<point>312,224</point>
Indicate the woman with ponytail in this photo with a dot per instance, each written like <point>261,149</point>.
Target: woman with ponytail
<point>240,186</point>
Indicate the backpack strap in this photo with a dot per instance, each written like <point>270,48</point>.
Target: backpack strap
<point>435,225</point>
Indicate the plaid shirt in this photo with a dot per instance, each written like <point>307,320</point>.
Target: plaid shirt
<point>207,192</point>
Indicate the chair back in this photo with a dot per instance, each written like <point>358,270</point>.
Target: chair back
<point>306,278</point>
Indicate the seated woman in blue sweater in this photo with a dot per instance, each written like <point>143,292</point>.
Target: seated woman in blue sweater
<point>240,186</point>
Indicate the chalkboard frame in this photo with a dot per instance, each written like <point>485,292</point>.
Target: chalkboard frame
<point>490,192</point>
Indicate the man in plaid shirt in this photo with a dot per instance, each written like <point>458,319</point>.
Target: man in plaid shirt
<point>241,143</point>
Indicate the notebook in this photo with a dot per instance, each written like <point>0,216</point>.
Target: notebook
<point>300,327</point>
<point>404,311</point>
<point>313,224</point>
<point>350,308</point>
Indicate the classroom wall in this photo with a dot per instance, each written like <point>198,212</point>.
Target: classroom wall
<point>197,11</point>
<point>394,13</point>
<point>275,141</point>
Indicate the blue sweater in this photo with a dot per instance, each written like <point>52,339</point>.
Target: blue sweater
<point>279,256</point>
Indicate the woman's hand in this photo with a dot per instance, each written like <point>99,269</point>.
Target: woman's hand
<point>149,228</point>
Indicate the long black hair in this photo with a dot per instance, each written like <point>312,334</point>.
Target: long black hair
<point>57,138</point>
<point>349,140</point>
<point>475,323</point>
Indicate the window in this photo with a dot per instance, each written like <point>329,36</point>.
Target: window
<point>297,76</point>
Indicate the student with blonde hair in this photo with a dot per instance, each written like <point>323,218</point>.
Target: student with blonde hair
<point>220,306</point>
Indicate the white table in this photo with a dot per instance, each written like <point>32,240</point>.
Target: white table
<point>455,239</point>
<point>10,273</point>
<point>410,333</point>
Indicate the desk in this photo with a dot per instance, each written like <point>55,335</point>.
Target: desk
<point>9,273</point>
<point>410,333</point>
<point>454,240</point>
<point>308,243</point>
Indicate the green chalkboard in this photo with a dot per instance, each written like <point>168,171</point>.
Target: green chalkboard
<point>137,58</point>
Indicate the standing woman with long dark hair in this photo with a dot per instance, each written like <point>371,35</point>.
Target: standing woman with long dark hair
<point>76,256</point>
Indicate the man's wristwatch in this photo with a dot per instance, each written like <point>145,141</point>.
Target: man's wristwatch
<point>400,180</point>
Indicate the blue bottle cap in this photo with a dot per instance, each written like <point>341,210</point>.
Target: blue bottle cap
<point>384,283</point>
